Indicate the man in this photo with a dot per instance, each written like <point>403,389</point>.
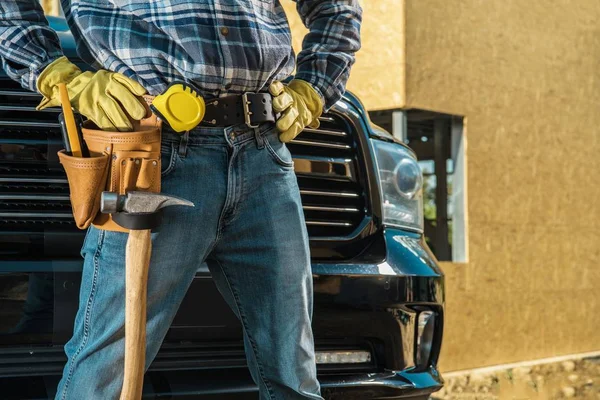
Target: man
<point>248,224</point>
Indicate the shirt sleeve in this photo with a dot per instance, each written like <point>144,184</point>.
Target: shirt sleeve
<point>27,43</point>
<point>328,50</point>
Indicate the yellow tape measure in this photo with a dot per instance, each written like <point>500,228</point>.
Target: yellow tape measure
<point>180,106</point>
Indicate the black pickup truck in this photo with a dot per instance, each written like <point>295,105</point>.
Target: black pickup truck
<point>379,293</point>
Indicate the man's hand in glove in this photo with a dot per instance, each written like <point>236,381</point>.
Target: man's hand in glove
<point>107,98</point>
<point>300,106</point>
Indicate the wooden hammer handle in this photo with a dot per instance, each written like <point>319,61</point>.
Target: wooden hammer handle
<point>137,260</point>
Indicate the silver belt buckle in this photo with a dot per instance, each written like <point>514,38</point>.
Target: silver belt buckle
<point>247,112</point>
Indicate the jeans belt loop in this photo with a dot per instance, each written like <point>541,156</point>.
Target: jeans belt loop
<point>183,143</point>
<point>260,139</point>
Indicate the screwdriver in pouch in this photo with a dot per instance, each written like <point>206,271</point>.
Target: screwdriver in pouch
<point>70,126</point>
<point>65,134</point>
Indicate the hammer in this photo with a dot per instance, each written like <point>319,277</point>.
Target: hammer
<point>139,212</point>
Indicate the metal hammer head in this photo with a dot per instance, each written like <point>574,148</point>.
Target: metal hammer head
<point>138,202</point>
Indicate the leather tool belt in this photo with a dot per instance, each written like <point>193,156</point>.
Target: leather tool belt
<point>125,161</point>
<point>119,162</point>
<point>251,109</point>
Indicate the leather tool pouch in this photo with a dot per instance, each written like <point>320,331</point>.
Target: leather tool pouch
<point>87,177</point>
<point>119,162</point>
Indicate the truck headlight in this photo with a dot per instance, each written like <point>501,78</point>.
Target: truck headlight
<point>400,181</point>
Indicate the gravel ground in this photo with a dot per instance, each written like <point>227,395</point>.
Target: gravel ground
<point>577,379</point>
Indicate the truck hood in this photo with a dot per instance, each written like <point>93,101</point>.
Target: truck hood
<point>64,34</point>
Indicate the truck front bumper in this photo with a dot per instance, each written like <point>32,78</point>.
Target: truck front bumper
<point>370,307</point>
<point>384,385</point>
<point>380,303</point>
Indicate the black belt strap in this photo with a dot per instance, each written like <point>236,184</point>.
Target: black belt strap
<point>251,109</point>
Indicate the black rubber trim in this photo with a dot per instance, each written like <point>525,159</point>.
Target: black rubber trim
<point>139,221</point>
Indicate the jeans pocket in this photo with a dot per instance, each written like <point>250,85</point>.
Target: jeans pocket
<point>277,149</point>
<point>168,156</point>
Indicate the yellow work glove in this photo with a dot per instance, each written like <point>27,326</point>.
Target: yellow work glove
<point>107,98</point>
<point>300,105</point>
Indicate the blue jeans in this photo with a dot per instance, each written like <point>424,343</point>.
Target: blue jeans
<point>247,226</point>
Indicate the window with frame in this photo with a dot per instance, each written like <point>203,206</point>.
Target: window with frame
<point>438,141</point>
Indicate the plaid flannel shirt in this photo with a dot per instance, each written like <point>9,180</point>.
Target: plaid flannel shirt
<point>221,46</point>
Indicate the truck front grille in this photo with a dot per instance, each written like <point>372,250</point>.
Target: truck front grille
<point>34,190</point>
<point>325,161</point>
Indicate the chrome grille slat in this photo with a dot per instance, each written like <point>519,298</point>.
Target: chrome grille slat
<point>28,108</point>
<point>345,177</point>
<point>31,124</point>
<point>32,180</point>
<point>331,209</point>
<point>321,144</point>
<point>328,223</point>
<point>19,93</point>
<point>325,118</point>
<point>31,141</point>
<point>33,197</point>
<point>323,159</point>
<point>326,193</point>
<point>17,215</point>
<point>326,132</point>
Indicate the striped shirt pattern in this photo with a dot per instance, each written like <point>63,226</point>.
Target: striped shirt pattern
<point>220,46</point>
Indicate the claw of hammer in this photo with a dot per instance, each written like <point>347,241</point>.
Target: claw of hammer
<point>139,202</point>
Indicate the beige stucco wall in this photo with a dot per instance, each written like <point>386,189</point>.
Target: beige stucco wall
<point>51,7</point>
<point>526,74</point>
